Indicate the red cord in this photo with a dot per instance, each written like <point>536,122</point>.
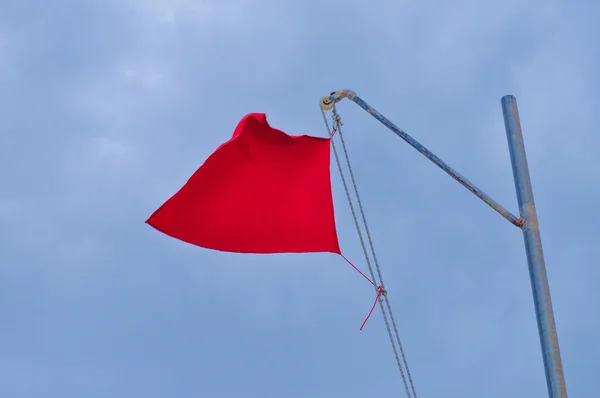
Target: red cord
<point>380,290</point>
<point>356,268</point>
<point>379,293</point>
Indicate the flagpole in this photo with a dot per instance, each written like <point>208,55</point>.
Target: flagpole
<point>528,222</point>
<point>533,246</point>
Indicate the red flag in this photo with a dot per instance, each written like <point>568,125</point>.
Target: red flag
<point>263,191</point>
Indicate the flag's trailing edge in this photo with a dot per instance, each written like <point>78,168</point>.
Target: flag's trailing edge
<point>263,191</point>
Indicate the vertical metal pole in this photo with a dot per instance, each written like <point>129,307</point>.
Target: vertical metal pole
<point>533,246</point>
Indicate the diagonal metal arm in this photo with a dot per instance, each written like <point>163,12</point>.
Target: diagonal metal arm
<point>328,103</point>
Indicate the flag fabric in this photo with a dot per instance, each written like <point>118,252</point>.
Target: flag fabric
<point>263,191</point>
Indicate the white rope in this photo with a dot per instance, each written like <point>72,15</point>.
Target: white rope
<point>366,226</point>
<point>337,126</point>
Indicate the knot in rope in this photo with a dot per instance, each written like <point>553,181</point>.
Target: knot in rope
<point>380,292</point>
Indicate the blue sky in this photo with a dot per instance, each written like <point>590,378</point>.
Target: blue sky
<point>107,107</point>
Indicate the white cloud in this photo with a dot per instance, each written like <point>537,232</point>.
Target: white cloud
<point>9,210</point>
<point>199,11</point>
<point>116,102</point>
<point>112,96</point>
<point>104,157</point>
<point>556,109</point>
<point>145,74</point>
<point>553,83</point>
<point>6,55</point>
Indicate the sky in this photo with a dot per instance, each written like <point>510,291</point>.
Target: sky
<point>107,107</point>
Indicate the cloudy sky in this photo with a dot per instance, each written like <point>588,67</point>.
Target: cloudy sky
<point>107,107</point>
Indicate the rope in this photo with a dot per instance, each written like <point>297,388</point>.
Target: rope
<point>367,231</point>
<point>380,290</point>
